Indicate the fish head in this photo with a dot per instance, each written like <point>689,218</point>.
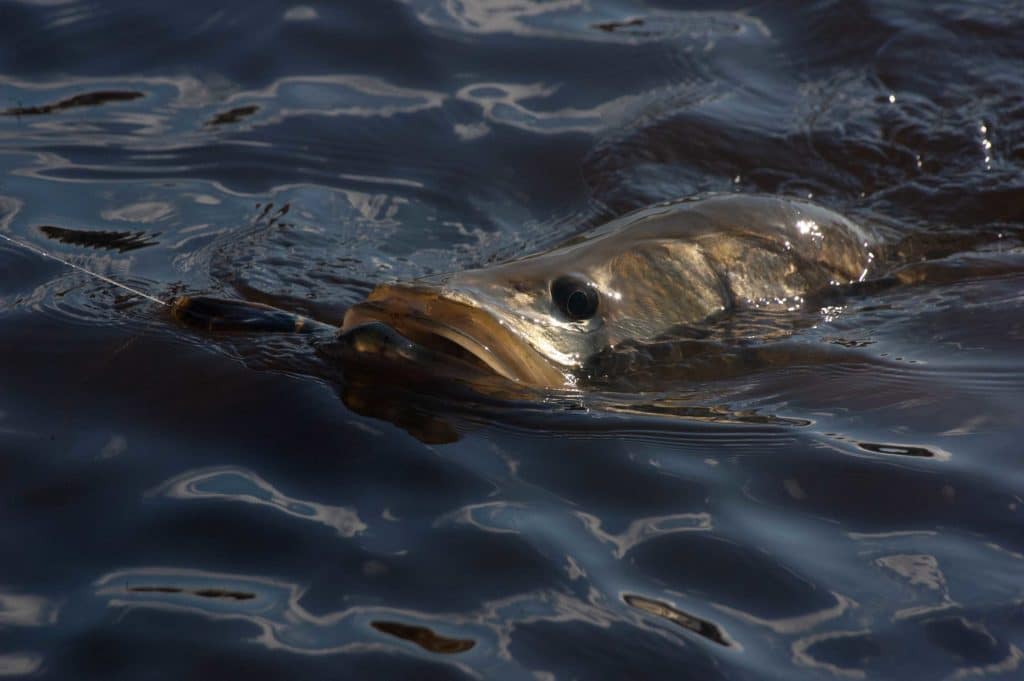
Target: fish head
<point>539,319</point>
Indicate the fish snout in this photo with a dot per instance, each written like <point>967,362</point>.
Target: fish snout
<point>461,330</point>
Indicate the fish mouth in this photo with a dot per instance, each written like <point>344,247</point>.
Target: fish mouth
<point>464,332</point>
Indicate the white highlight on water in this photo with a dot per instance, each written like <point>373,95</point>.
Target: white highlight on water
<point>79,268</point>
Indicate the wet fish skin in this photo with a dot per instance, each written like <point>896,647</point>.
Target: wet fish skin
<point>655,269</point>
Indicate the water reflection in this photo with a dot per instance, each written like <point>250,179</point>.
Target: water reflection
<point>505,518</point>
<point>644,529</point>
<point>25,610</point>
<point>336,95</point>
<point>905,450</point>
<point>233,115</point>
<point>424,638</point>
<point>506,104</point>
<point>20,664</point>
<point>851,646</point>
<point>201,593</point>
<point>274,608</point>
<point>798,623</point>
<point>240,485</point>
<point>579,20</point>
<point>301,13</point>
<point>85,99</point>
<point>701,627</point>
<point>974,648</point>
<point>122,242</point>
<point>919,570</point>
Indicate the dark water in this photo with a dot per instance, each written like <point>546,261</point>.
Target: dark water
<point>181,505</point>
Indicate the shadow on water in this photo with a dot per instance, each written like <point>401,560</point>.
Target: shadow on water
<point>118,241</point>
<point>86,99</point>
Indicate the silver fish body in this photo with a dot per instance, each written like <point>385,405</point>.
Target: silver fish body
<point>537,319</point>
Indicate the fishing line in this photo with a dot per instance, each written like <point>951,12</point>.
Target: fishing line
<point>51,256</point>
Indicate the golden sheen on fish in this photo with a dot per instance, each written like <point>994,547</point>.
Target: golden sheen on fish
<point>536,320</point>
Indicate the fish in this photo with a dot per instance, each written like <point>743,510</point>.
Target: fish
<point>650,314</point>
<point>538,320</point>
<point>646,285</point>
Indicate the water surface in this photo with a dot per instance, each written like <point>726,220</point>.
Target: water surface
<point>181,505</point>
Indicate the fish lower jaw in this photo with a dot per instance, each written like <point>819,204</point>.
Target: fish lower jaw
<point>429,335</point>
<point>465,333</point>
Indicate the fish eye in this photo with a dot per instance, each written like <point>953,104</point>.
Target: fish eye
<point>575,297</point>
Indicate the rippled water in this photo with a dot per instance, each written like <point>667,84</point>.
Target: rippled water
<point>840,502</point>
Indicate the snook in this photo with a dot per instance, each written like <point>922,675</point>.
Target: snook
<point>537,320</point>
